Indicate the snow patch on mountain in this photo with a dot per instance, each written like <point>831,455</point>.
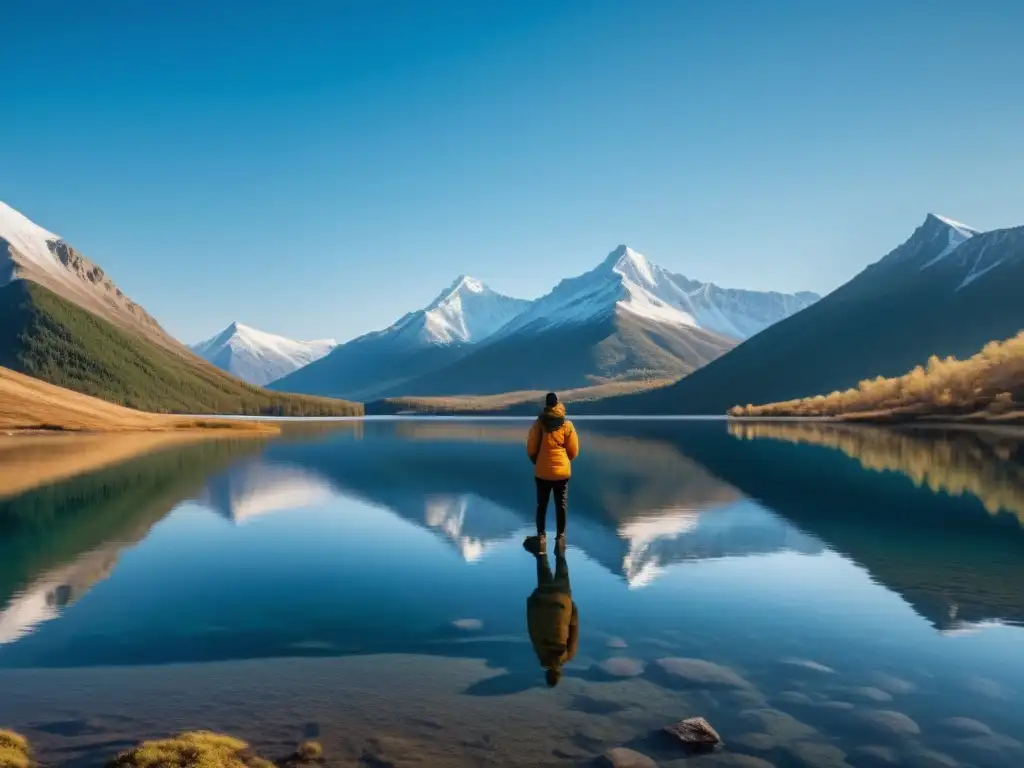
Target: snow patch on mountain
<point>464,313</point>
<point>626,281</point>
<point>958,235</point>
<point>962,229</point>
<point>30,252</point>
<point>259,357</point>
<point>31,241</point>
<point>255,339</point>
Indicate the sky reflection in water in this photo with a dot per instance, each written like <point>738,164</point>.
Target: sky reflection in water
<point>757,548</point>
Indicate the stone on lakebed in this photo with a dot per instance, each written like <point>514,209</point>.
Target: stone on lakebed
<point>695,732</point>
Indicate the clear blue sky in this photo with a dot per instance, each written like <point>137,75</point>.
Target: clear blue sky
<point>319,167</point>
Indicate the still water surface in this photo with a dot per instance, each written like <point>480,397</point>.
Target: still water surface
<point>824,596</point>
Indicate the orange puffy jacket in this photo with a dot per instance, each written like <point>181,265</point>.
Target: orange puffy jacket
<point>552,444</point>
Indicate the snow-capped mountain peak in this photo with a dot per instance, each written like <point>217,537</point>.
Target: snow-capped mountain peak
<point>962,229</point>
<point>628,282</point>
<point>30,241</point>
<point>257,356</point>
<point>30,252</point>
<point>465,312</point>
<point>246,335</point>
<point>956,235</point>
<point>467,283</point>
<point>631,265</point>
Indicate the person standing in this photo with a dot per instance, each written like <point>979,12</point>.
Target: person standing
<point>552,446</point>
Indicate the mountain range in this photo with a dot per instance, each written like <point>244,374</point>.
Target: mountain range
<point>627,325</point>
<point>463,315</point>
<point>63,320</point>
<point>627,319</point>
<point>948,290</point>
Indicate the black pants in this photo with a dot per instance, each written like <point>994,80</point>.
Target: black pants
<point>544,491</point>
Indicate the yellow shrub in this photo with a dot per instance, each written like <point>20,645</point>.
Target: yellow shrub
<point>985,381</point>
<point>14,750</point>
<point>194,749</point>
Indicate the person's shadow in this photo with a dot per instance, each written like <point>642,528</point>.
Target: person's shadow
<point>552,621</point>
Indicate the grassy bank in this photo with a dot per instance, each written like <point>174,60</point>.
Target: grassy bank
<point>525,402</point>
<point>987,387</point>
<point>191,749</point>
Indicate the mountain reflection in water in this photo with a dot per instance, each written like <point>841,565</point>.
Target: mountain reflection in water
<point>57,541</point>
<point>645,496</point>
<point>363,583</point>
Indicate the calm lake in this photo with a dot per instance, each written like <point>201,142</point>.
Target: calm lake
<point>824,596</point>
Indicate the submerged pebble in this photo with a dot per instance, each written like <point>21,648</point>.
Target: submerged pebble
<point>808,664</point>
<point>795,697</point>
<point>700,672</point>
<point>874,754</point>
<point>965,726</point>
<point>893,685</point>
<point>762,742</point>
<point>871,693</point>
<point>889,722</point>
<point>621,666</point>
<point>621,757</point>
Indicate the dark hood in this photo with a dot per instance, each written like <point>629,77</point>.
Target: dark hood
<point>552,418</point>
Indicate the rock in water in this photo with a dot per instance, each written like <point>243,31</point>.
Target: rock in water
<point>964,726</point>
<point>620,757</point>
<point>699,673</point>
<point>620,666</point>
<point>695,732</point>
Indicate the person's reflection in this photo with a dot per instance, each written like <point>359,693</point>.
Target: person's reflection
<point>552,617</point>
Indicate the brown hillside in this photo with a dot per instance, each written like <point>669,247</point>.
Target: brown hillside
<point>28,404</point>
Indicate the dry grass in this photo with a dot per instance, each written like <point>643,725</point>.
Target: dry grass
<point>194,749</point>
<point>31,405</point>
<point>309,752</point>
<point>14,750</point>
<point>988,386</point>
<point>974,462</point>
<point>496,403</point>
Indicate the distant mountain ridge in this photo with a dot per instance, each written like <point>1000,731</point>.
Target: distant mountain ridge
<point>947,290</point>
<point>259,357</point>
<point>625,319</point>
<point>466,313</point>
